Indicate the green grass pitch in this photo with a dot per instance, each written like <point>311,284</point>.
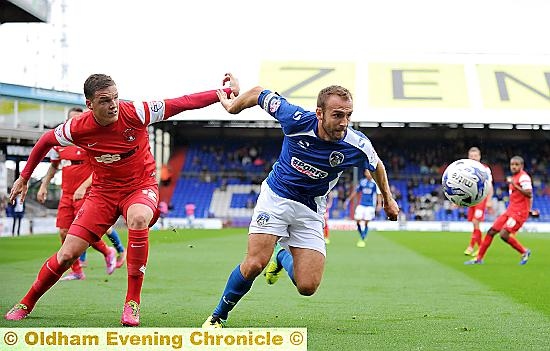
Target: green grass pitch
<point>404,291</point>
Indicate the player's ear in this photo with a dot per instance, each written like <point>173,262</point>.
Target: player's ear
<point>319,113</point>
<point>89,104</point>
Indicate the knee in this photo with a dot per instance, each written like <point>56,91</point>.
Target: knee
<point>307,289</point>
<point>65,256</point>
<point>138,220</point>
<point>252,267</point>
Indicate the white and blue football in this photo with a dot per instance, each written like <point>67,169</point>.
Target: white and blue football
<point>465,182</point>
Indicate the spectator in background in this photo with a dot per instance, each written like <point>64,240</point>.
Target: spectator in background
<point>251,199</point>
<point>165,175</point>
<point>163,209</point>
<point>18,214</point>
<point>190,214</point>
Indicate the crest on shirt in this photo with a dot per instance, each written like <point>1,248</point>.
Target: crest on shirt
<point>129,134</point>
<point>335,158</point>
<point>262,219</point>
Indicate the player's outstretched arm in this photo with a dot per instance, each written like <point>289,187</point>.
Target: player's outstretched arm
<point>246,100</point>
<point>38,152</point>
<point>390,205</point>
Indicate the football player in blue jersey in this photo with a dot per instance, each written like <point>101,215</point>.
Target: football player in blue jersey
<point>369,203</point>
<point>317,147</point>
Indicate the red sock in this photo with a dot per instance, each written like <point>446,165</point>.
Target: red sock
<point>48,275</point>
<point>484,246</point>
<point>101,247</point>
<point>325,231</point>
<point>513,242</point>
<point>476,238</point>
<point>76,267</point>
<point>136,261</point>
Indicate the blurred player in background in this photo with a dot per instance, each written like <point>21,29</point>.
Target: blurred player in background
<point>76,178</point>
<point>115,135</point>
<point>370,202</point>
<point>519,208</point>
<point>476,214</point>
<point>113,236</point>
<point>331,200</point>
<point>317,147</point>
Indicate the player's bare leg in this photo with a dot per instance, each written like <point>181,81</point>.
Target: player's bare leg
<point>308,269</point>
<point>76,269</point>
<point>48,275</point>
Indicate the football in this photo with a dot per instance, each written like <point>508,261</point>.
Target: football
<point>465,182</point>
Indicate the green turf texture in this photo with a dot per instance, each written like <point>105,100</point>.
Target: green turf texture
<point>403,291</point>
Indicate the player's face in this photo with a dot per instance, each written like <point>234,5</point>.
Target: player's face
<point>474,155</point>
<point>335,118</point>
<point>105,105</point>
<point>515,166</point>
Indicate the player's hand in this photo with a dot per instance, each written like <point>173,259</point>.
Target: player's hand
<point>233,83</point>
<point>509,179</point>
<point>20,186</point>
<point>534,213</point>
<point>392,209</point>
<point>42,194</point>
<point>226,102</point>
<point>79,194</point>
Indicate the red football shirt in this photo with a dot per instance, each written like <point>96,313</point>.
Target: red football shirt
<point>119,152</point>
<point>75,165</point>
<point>520,203</point>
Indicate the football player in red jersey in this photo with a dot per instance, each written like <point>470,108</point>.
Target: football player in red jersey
<point>476,214</point>
<point>519,208</point>
<point>115,135</point>
<point>76,180</point>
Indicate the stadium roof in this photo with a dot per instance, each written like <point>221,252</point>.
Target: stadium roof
<point>24,11</point>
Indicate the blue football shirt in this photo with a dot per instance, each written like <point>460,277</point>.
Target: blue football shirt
<point>309,167</point>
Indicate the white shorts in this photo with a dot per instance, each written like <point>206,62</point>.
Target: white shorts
<point>295,223</point>
<point>364,213</point>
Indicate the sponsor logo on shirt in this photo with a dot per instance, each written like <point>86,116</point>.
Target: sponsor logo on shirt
<point>307,169</point>
<point>274,105</point>
<point>108,158</point>
<point>336,158</point>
